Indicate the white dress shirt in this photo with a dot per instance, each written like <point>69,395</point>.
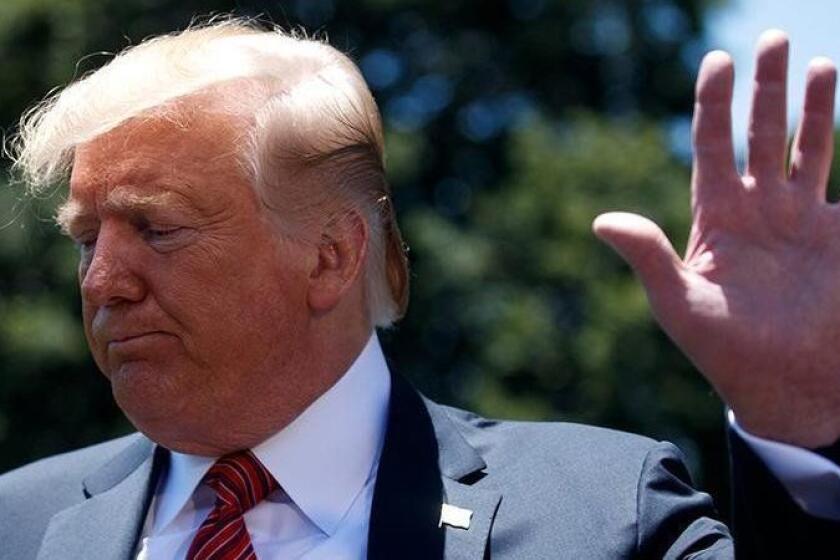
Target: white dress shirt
<point>325,462</point>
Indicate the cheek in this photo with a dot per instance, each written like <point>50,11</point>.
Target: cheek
<point>275,301</point>
<point>234,305</point>
<point>275,313</point>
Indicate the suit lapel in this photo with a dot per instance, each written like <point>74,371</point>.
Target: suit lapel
<point>425,463</point>
<point>469,544</point>
<point>107,524</point>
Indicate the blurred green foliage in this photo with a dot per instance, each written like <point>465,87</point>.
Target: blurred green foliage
<point>510,125</point>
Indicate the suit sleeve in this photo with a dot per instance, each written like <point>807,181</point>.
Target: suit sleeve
<point>676,521</point>
<point>767,522</point>
<point>810,476</point>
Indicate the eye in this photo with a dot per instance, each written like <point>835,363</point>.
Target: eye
<point>165,238</point>
<point>160,234</point>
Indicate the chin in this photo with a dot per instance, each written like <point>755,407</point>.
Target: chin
<point>141,383</point>
<point>152,398</point>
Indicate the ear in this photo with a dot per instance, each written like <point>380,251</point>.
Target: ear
<point>341,254</point>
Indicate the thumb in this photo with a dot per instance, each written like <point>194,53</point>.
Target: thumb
<point>644,246</point>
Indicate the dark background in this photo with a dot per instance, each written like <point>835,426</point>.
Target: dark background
<point>510,125</point>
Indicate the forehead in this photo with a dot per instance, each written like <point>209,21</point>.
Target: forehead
<point>166,142</point>
<point>189,149</point>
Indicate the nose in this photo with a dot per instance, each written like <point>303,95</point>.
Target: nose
<point>109,273</point>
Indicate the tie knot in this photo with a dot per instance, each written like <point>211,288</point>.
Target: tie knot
<point>240,482</point>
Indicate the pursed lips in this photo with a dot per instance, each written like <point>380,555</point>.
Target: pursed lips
<point>122,339</point>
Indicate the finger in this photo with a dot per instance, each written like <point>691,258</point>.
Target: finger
<point>714,160</point>
<point>646,249</point>
<point>768,118</point>
<point>813,147</point>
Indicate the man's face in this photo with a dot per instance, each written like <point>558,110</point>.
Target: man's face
<point>193,307</point>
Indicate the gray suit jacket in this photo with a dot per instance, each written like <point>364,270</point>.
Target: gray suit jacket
<point>536,490</point>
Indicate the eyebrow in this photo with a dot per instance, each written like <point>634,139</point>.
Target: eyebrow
<point>74,215</point>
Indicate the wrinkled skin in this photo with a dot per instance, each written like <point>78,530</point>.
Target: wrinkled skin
<point>755,302</point>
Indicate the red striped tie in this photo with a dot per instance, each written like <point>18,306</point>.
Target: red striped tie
<point>240,482</point>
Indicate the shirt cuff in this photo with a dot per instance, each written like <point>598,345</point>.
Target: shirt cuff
<point>811,480</point>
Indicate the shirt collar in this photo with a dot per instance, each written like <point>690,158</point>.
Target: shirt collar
<point>322,459</point>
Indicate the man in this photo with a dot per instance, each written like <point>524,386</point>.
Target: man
<point>238,247</point>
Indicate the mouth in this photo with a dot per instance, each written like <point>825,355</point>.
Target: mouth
<point>133,340</point>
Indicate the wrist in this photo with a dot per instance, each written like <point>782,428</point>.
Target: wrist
<point>817,432</point>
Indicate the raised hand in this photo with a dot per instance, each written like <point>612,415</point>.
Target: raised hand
<point>755,302</point>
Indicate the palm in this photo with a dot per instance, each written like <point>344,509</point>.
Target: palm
<point>755,302</point>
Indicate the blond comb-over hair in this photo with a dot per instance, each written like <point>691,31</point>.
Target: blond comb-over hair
<point>315,113</point>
